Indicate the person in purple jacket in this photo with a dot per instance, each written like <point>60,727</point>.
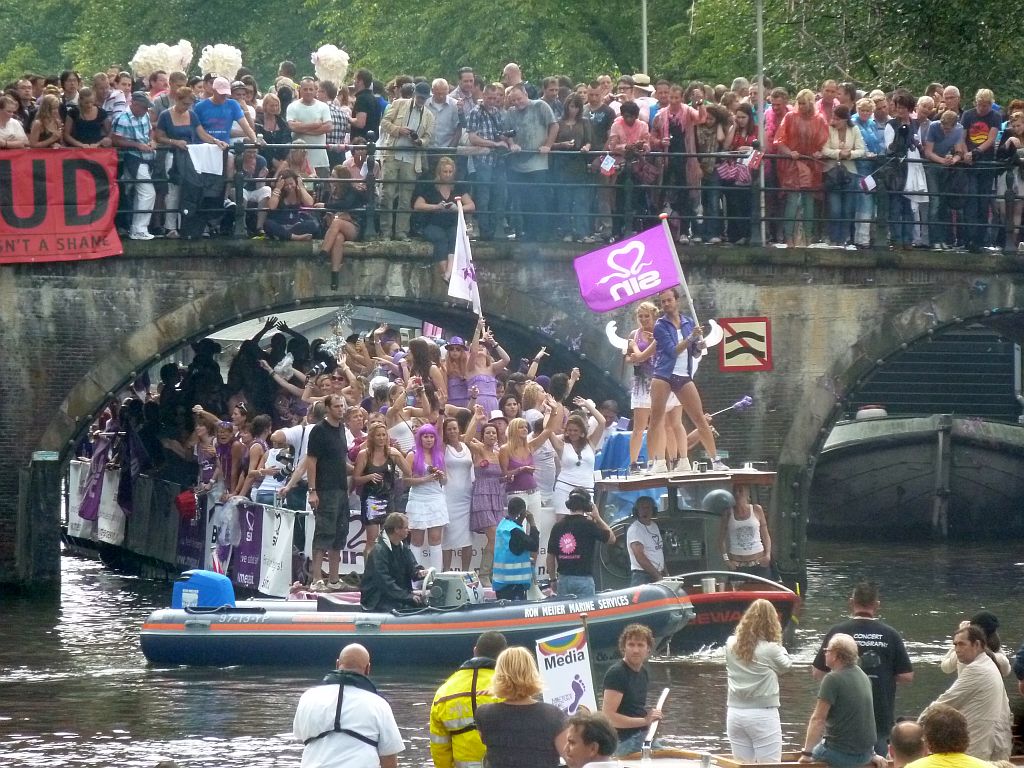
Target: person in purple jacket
<point>679,341</point>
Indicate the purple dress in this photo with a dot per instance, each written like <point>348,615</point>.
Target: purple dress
<point>489,499</point>
<point>458,391</point>
<point>487,395</point>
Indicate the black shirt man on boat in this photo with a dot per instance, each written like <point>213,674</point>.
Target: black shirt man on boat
<point>391,569</point>
<point>624,701</point>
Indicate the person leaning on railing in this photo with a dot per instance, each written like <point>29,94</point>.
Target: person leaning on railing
<point>1011,181</point>
<point>12,134</point>
<point>944,151</point>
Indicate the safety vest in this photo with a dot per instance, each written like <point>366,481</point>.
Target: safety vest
<point>509,569</point>
<point>454,739</point>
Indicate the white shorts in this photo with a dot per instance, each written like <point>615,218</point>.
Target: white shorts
<point>256,196</point>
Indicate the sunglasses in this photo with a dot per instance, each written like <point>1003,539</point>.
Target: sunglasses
<point>337,378</point>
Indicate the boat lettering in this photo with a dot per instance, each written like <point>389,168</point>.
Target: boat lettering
<point>612,602</point>
<point>717,617</point>
<point>582,607</point>
<point>242,619</point>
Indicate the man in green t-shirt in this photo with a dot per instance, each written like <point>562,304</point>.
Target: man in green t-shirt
<point>841,731</point>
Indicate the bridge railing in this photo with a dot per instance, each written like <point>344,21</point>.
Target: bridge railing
<point>708,196</point>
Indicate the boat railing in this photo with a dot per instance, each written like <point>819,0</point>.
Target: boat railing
<point>695,577</point>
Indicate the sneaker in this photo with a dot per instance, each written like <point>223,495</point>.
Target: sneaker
<point>335,586</point>
<point>683,465</point>
<point>318,586</point>
<point>567,239</point>
<point>696,240</point>
<point>1020,247</point>
<point>939,247</point>
<point>142,236</point>
<point>659,467</point>
<point>634,469</point>
<point>719,466</point>
<point>714,241</point>
<point>683,240</point>
<point>850,247</point>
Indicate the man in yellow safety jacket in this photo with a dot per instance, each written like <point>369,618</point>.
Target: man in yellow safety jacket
<point>454,739</point>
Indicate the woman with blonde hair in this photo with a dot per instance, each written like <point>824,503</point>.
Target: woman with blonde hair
<point>801,137</point>
<point>754,657</point>
<point>520,732</point>
<point>47,129</point>
<point>516,458</point>
<point>436,201</point>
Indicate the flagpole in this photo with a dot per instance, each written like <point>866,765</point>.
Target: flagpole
<point>679,268</point>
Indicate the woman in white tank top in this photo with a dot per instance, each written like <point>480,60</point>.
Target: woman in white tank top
<point>576,454</point>
<point>743,537</point>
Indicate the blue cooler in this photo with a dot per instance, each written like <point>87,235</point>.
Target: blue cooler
<point>202,589</point>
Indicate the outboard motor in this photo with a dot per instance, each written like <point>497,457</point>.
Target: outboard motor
<point>452,589</point>
<point>202,589</point>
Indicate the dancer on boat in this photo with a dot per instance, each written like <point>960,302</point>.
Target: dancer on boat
<point>678,340</point>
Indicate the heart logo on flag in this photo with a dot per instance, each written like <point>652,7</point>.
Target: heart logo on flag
<point>620,271</point>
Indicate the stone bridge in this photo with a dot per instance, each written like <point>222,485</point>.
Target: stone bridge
<point>73,333</point>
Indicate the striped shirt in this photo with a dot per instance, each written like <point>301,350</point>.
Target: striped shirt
<point>133,128</point>
<point>486,124</point>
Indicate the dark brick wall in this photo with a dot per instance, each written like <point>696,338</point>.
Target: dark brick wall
<point>72,332</point>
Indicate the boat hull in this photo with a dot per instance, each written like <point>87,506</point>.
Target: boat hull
<point>718,613</point>
<point>275,633</point>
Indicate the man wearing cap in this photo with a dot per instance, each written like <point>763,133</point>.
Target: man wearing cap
<point>310,120</point>
<point>643,95</point>
<point>217,113</point>
<point>570,552</point>
<point>406,127</point>
<point>513,545</point>
<point>131,131</point>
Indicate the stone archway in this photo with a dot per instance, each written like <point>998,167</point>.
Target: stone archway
<point>996,302</point>
<point>570,343</point>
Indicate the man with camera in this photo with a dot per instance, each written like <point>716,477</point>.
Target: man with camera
<point>536,129</point>
<point>513,547</point>
<point>407,127</point>
<point>488,130</point>
<point>570,558</point>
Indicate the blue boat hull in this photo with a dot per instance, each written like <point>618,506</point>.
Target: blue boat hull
<point>291,633</point>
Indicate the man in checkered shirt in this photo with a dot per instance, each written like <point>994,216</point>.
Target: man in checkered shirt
<point>486,126</point>
<point>327,92</point>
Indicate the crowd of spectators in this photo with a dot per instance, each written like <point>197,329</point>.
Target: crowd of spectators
<point>583,162</point>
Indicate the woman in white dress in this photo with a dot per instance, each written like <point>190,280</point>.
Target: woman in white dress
<point>458,491</point>
<point>576,454</point>
<point>427,508</point>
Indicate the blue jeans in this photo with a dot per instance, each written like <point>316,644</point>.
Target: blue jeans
<point>840,214</point>
<point>634,743</point>
<point>837,759</point>
<point>711,203</point>
<point>577,199</point>
<point>580,586</point>
<point>901,219</point>
<point>489,194</point>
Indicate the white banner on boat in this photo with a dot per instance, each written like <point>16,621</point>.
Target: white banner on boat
<point>564,661</point>
<point>110,526</point>
<point>276,560</point>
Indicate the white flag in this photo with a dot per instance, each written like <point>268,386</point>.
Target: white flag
<point>462,283</point>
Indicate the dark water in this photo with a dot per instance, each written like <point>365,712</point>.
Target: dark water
<point>75,689</point>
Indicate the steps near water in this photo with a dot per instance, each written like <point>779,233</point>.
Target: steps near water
<point>948,461</point>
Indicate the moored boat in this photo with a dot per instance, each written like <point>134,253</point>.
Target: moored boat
<point>209,628</point>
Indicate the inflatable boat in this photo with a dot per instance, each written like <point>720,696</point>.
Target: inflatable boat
<point>206,626</point>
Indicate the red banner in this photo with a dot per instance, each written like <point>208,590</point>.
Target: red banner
<point>58,204</point>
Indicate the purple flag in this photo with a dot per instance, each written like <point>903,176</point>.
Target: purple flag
<point>89,509</point>
<point>628,271</point>
<point>250,549</point>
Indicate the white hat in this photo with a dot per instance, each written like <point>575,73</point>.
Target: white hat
<point>497,413</point>
<point>378,381</point>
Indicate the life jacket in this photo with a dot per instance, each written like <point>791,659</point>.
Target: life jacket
<point>454,738</point>
<point>509,568</point>
<point>341,678</point>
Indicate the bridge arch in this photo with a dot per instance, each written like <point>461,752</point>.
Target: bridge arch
<point>994,300</point>
<point>534,322</point>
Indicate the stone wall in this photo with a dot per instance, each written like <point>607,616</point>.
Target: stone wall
<point>73,333</point>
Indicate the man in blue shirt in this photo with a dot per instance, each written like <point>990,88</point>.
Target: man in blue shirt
<point>217,114</point>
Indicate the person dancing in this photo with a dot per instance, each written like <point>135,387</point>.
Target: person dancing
<point>678,339</point>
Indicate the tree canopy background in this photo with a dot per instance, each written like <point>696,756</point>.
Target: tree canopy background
<point>875,43</point>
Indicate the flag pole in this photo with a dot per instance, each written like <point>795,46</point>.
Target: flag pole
<point>679,269</point>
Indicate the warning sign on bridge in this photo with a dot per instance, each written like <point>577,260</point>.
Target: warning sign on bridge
<point>746,344</point>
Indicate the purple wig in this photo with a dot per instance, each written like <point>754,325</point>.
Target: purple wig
<point>421,461</point>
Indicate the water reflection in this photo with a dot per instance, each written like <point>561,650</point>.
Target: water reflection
<point>75,689</point>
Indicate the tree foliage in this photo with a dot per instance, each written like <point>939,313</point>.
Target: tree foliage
<point>874,43</point>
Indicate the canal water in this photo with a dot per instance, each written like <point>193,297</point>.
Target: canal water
<point>75,689</point>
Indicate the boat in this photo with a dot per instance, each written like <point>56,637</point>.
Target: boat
<point>690,540</point>
<point>918,476</point>
<point>206,626</point>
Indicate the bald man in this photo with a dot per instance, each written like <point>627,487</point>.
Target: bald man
<point>906,743</point>
<point>344,722</point>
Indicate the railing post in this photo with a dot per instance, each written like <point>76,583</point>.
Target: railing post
<point>370,225</point>
<point>756,201</point>
<point>1009,219</point>
<point>627,206</point>
<point>235,156</point>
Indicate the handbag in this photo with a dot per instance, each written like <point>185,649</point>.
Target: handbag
<point>837,178</point>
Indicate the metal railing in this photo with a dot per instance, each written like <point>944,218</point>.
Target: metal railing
<point>960,197</point>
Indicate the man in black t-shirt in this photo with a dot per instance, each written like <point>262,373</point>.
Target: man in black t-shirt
<point>883,657</point>
<point>327,475</point>
<point>365,109</point>
<point>570,559</point>
<point>624,701</point>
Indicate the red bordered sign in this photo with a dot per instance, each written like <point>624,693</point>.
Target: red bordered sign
<point>58,204</point>
<point>746,344</point>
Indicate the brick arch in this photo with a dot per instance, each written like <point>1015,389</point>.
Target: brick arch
<point>521,315</point>
<point>993,300</point>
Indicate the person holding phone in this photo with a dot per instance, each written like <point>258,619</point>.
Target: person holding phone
<point>435,201</point>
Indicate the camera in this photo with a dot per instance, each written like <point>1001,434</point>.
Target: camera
<point>286,458</point>
<point>317,369</point>
<point>413,136</point>
<point>508,133</point>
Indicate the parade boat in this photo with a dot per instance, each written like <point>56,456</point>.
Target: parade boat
<point>206,626</point>
<point>690,540</point>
